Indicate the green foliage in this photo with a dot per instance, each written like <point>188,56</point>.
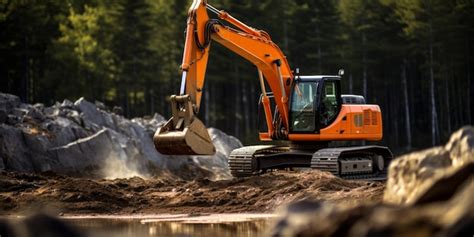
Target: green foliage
<point>128,52</point>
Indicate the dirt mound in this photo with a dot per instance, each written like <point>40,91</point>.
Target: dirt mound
<point>23,193</point>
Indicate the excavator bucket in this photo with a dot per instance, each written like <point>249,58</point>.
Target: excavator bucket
<point>184,133</point>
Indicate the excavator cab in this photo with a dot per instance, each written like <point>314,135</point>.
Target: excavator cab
<point>315,103</point>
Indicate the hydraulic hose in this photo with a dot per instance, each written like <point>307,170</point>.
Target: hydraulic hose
<point>207,34</point>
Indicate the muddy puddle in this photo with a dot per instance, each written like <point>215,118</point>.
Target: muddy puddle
<point>173,225</point>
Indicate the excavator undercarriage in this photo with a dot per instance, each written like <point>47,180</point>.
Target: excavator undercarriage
<point>361,162</point>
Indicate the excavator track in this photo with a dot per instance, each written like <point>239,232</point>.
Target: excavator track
<point>241,166</point>
<point>360,163</point>
<point>242,161</point>
<point>365,162</point>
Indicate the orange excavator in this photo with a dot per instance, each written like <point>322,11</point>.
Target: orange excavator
<point>308,112</point>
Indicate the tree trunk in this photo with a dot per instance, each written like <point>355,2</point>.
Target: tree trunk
<point>468,86</point>
<point>212,105</point>
<point>285,37</point>
<point>152,101</point>
<point>351,84</point>
<point>254,106</point>
<point>238,94</point>
<point>407,106</point>
<point>206,104</point>
<point>318,37</point>
<point>25,77</point>
<point>246,108</point>
<point>448,105</point>
<point>432,97</point>
<point>364,65</point>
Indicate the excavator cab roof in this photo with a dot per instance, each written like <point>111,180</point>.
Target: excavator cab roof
<point>317,77</point>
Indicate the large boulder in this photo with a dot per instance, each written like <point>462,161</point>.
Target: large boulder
<point>13,150</point>
<point>447,210</point>
<point>411,175</point>
<point>8,102</point>
<point>218,163</point>
<point>93,117</point>
<point>428,193</point>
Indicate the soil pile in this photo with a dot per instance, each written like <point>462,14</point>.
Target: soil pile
<point>23,193</point>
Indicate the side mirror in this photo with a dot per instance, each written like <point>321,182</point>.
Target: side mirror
<point>341,72</point>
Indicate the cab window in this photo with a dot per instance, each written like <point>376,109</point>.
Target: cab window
<point>302,107</point>
<point>329,103</point>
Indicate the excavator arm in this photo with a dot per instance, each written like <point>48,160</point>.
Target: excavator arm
<point>184,133</point>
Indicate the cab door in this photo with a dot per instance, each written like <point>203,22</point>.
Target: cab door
<point>303,115</point>
<point>330,102</point>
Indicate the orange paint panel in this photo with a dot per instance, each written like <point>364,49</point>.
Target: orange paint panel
<point>346,130</point>
<point>263,136</point>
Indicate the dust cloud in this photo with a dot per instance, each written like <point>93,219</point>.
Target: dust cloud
<point>116,168</point>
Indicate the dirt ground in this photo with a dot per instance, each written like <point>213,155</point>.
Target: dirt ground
<point>24,193</point>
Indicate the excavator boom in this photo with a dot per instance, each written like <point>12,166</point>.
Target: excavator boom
<point>184,133</point>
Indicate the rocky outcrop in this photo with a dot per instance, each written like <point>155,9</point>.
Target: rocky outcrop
<point>454,217</point>
<point>83,138</point>
<point>428,193</point>
<point>224,144</point>
<point>411,175</point>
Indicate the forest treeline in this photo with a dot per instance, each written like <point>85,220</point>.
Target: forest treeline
<point>412,57</point>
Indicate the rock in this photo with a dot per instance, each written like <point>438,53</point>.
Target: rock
<point>13,119</point>
<point>90,114</point>
<point>142,140</point>
<point>157,119</point>
<point>314,218</point>
<point>100,105</point>
<point>40,225</point>
<point>461,146</point>
<point>8,102</point>
<point>444,219</point>
<point>94,118</point>
<point>3,116</point>
<point>13,149</point>
<point>35,114</point>
<point>39,106</point>
<point>80,138</point>
<point>435,188</point>
<point>91,153</point>
<point>411,174</point>
<point>65,131</point>
<point>19,112</point>
<point>117,110</point>
<point>2,163</point>
<point>218,163</point>
<point>74,116</point>
<point>67,104</point>
<point>451,217</point>
<point>444,188</point>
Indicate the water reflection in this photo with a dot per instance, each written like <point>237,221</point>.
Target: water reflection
<point>138,228</point>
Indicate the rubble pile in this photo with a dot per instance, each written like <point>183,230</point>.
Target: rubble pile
<point>84,139</point>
